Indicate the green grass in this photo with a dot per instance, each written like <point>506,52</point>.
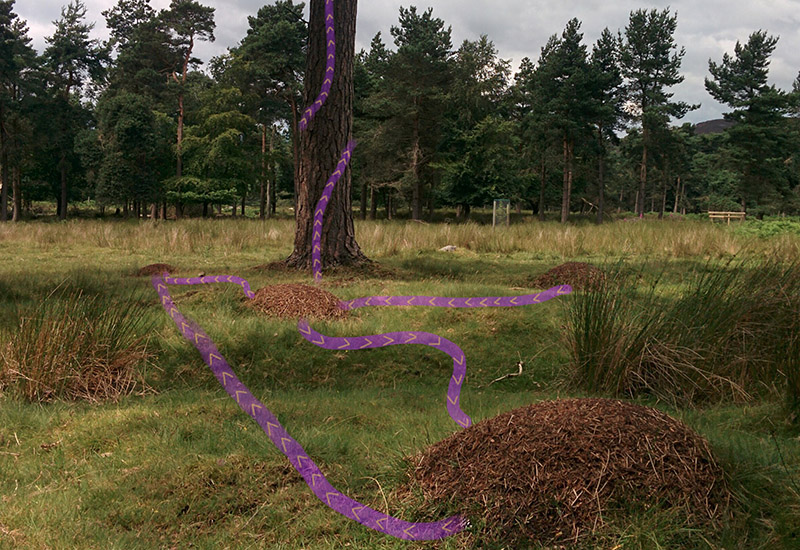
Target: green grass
<point>184,466</point>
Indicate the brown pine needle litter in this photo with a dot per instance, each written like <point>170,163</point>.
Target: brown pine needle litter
<point>295,301</point>
<point>579,275</point>
<point>549,472</point>
<point>155,269</point>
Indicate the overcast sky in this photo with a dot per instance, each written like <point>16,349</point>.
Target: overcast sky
<point>519,28</point>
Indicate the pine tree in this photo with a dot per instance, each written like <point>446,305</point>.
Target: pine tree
<point>651,65</point>
<point>416,85</point>
<point>187,21</point>
<point>16,59</point>
<point>566,87</point>
<point>268,65</point>
<point>73,60</point>
<point>759,141</point>
<point>478,139</point>
<point>609,94</point>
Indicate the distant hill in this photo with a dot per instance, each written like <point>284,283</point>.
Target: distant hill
<point>715,126</point>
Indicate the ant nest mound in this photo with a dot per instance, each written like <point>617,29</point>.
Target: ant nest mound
<point>295,301</point>
<point>552,471</point>
<point>579,275</point>
<point>154,269</point>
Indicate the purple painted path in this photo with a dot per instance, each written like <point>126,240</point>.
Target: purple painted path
<point>297,456</point>
<point>299,459</point>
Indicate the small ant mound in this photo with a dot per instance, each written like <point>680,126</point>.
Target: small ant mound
<point>296,301</point>
<point>579,275</point>
<point>155,269</point>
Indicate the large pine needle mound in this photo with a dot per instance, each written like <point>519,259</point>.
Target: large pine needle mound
<point>295,301</point>
<point>579,275</point>
<point>550,471</point>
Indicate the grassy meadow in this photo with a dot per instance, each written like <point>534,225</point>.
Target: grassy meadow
<point>171,461</point>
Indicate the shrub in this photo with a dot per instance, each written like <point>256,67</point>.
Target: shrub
<point>74,346</point>
<point>768,228</point>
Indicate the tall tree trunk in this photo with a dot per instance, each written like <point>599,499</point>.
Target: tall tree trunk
<point>416,189</point>
<point>181,110</point>
<point>642,173</point>
<point>543,173</point>
<point>62,213</point>
<point>373,203</point>
<point>244,198</point>
<point>17,194</point>
<point>262,195</point>
<point>567,188</point>
<point>430,203</point>
<point>389,205</point>
<point>4,179</point>
<point>272,187</point>
<point>677,196</point>
<point>296,151</point>
<point>154,211</point>
<point>179,147</point>
<point>664,191</point>
<point>322,143</point>
<point>363,215</point>
<point>601,184</point>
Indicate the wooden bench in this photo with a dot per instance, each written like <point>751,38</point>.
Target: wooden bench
<point>727,216</point>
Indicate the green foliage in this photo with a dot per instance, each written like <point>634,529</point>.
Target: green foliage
<point>129,140</point>
<point>768,228</point>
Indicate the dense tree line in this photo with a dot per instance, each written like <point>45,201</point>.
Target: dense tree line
<point>136,125</point>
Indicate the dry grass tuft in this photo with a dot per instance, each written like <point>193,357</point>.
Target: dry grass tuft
<point>75,347</point>
<point>550,471</point>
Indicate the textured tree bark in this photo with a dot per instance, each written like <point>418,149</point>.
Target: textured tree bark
<point>543,172</point>
<point>62,204</point>
<point>322,143</point>
<point>363,205</point>
<point>416,190</point>
<point>4,179</point>
<point>642,174</point>
<point>17,195</point>
<point>601,184</point>
<point>567,189</point>
<point>262,196</point>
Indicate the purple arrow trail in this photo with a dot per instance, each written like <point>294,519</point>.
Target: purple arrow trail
<point>299,459</point>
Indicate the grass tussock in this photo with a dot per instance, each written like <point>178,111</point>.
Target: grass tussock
<point>73,346</point>
<point>730,333</point>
